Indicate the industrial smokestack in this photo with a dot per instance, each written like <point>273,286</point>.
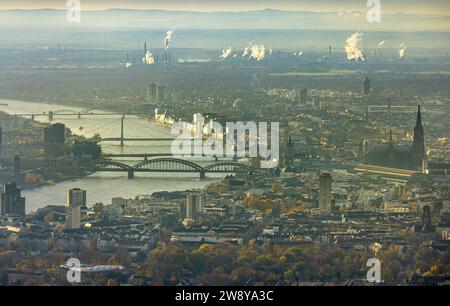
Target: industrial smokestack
<point>380,46</point>
<point>168,39</point>
<point>16,168</point>
<point>1,142</point>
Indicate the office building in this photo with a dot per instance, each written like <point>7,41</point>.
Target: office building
<point>54,140</point>
<point>194,204</point>
<point>303,97</point>
<point>325,182</point>
<point>16,169</point>
<point>366,86</point>
<point>12,203</point>
<point>73,216</point>
<point>152,91</point>
<point>87,149</point>
<point>161,93</point>
<point>76,199</point>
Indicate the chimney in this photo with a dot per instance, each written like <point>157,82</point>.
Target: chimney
<point>1,142</point>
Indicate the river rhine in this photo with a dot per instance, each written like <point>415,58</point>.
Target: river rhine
<point>101,187</point>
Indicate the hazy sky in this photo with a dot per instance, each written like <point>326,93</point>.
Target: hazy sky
<point>433,7</point>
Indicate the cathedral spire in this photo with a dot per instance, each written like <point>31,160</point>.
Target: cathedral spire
<point>419,117</point>
<point>419,139</point>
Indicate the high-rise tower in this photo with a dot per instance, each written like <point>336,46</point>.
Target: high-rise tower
<point>16,169</point>
<point>1,142</point>
<point>11,201</point>
<point>76,199</point>
<point>325,195</point>
<point>366,86</point>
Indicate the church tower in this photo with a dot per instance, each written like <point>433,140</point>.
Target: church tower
<point>419,141</point>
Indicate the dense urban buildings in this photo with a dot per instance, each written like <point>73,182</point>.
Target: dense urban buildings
<point>89,169</point>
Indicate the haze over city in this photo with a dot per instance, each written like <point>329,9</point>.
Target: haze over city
<point>190,143</point>
<point>433,7</point>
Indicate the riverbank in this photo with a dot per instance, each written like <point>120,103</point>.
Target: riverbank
<point>103,186</point>
<point>29,126</point>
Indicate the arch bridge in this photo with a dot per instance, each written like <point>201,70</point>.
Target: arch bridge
<point>170,165</point>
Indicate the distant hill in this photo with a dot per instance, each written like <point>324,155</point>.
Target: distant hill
<point>129,28</point>
<point>260,19</point>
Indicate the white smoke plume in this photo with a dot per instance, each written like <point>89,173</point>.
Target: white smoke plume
<point>353,47</point>
<point>168,39</point>
<point>258,52</point>
<point>148,59</point>
<point>226,53</point>
<point>401,50</point>
<point>380,44</point>
<point>245,51</point>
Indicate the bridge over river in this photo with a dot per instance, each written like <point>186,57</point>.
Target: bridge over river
<point>170,165</point>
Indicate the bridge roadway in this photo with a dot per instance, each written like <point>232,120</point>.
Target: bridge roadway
<point>136,155</point>
<point>135,139</point>
<point>72,113</point>
<point>169,165</point>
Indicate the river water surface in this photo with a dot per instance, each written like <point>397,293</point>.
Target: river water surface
<point>101,187</point>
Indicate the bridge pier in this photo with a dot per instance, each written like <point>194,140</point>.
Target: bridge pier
<point>202,175</point>
<point>130,174</point>
<point>121,131</point>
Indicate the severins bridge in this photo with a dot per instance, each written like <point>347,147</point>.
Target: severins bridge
<point>170,165</point>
